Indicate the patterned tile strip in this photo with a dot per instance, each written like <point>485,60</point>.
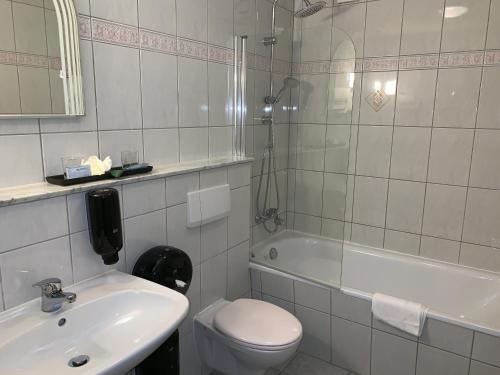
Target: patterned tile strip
<point>25,59</point>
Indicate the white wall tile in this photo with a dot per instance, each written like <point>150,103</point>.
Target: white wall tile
<point>143,233</point>
<point>367,235</point>
<point>239,175</point>
<point>112,143</point>
<point>179,186</point>
<point>159,87</point>
<point>311,147</point>
<point>338,148</point>
<point>239,218</point>
<point>370,198</point>
<point>410,153</point>
<point>220,142</point>
<point>400,241</point>
<point>478,368</point>
<point>86,262</point>
<point>351,345</point>
<point>493,39</point>
<point>484,169</point>
<point>482,218</point>
<point>213,239</point>
<point>213,177</point>
<point>190,363</point>
<point>316,36</point>
<point>432,361</point>
<point>383,28</point>
<point>457,97</point>
<point>142,197</point>
<point>439,248</point>
<point>316,332</point>
<point>465,31</point>
<point>485,348</point>
<point>24,267</point>
<point>277,286</point>
<point>213,279</point>
<point>444,210</point>
<point>220,91</point>
<point>194,296</point>
<point>392,355</point>
<point>489,113</point>
<point>386,82</point>
<point>28,223</point>
<point>220,23</point>
<point>415,99</point>
<point>192,19</point>
<point>334,196</point>
<point>238,275</point>
<point>59,145</point>
<point>118,87</point>
<point>483,257</point>
<point>312,104</point>
<point>308,192</point>
<point>422,21</point>
<point>193,91</point>
<point>351,308</point>
<point>186,239</point>
<point>115,10</point>
<point>193,144</point>
<point>28,164</point>
<point>312,296</point>
<point>158,15</point>
<point>161,146</point>
<point>405,205</point>
<point>450,156</point>
<point>447,336</point>
<point>349,23</point>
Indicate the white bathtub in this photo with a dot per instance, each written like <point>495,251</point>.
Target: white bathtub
<point>455,294</point>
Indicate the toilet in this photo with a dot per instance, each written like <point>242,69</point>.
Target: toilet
<point>245,337</point>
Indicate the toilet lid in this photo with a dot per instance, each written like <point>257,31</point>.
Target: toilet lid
<point>258,323</point>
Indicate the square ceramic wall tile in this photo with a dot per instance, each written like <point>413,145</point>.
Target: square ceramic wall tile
<point>441,249</point>
<point>220,23</point>
<point>24,267</point>
<point>58,145</point>
<point>239,218</point>
<point>28,165</point>
<point>400,241</point>
<point>489,111</point>
<point>444,210</point>
<point>378,97</point>
<point>142,197</point>
<point>308,192</point>
<point>405,206</point>
<point>29,29</point>
<point>307,224</point>
<point>316,36</point>
<point>484,257</point>
<point>7,27</point>
<point>112,143</point>
<point>366,235</point>
<point>392,355</point>
<point>351,345</point>
<point>493,39</point>
<point>383,28</point>
<point>349,24</point>
<point>370,197</point>
<point>193,92</point>
<point>115,10</point>
<point>415,100</point>
<point>161,146</point>
<point>118,86</point>
<point>193,144</point>
<point>179,186</point>
<point>238,276</point>
<point>464,27</point>
<point>311,147</point>
<point>158,15</point>
<point>457,97</point>
<point>186,239</point>
<point>159,90</point>
<point>484,170</point>
<point>313,94</point>
<point>316,332</point>
<point>482,219</point>
<point>374,151</point>
<point>410,153</point>
<point>220,91</point>
<point>422,21</point>
<point>192,19</point>
<point>433,361</point>
<point>10,101</point>
<point>450,156</point>
<point>334,196</point>
<point>338,148</point>
<point>213,279</point>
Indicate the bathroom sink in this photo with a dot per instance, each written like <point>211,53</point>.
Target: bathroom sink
<point>116,322</point>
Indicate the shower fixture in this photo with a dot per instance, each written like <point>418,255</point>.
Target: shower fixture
<point>264,212</point>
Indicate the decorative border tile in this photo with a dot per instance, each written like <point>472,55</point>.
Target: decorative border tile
<point>105,31</point>
<point>380,64</point>
<point>84,27</point>
<point>220,55</point>
<point>55,63</point>
<point>8,58</point>
<point>492,57</point>
<point>36,61</point>
<point>451,60</point>
<point>343,66</point>
<point>418,62</point>
<point>158,42</point>
<point>191,48</point>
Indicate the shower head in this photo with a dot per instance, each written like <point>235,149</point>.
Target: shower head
<point>310,9</point>
<point>288,83</point>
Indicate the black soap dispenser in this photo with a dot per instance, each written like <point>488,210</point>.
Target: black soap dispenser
<point>105,223</point>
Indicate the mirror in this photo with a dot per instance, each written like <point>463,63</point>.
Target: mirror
<point>40,73</point>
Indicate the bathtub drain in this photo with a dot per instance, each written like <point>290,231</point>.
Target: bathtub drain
<point>273,253</point>
<point>79,361</point>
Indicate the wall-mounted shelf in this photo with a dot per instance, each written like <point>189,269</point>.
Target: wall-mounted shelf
<point>43,190</point>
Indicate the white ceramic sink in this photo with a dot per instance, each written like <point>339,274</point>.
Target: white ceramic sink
<point>117,320</point>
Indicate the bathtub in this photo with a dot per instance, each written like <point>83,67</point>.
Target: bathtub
<point>454,294</point>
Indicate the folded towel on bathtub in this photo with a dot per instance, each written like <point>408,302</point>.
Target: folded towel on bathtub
<point>405,315</point>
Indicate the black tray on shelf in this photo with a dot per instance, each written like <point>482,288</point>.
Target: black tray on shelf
<point>61,181</point>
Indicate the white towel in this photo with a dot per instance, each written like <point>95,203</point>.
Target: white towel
<point>405,315</point>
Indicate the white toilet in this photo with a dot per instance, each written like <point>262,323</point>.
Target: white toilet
<point>245,337</point>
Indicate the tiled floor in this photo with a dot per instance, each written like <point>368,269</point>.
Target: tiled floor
<point>303,364</point>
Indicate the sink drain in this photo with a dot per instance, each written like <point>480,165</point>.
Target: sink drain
<point>79,361</point>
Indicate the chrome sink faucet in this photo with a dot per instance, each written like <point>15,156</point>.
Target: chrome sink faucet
<point>52,295</point>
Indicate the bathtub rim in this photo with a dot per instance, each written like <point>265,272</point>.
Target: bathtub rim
<point>367,296</point>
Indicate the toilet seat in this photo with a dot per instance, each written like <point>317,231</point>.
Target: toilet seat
<point>258,325</point>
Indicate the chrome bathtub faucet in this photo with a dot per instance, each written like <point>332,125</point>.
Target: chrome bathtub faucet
<point>53,297</point>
